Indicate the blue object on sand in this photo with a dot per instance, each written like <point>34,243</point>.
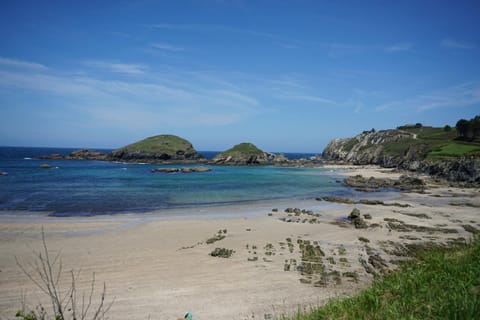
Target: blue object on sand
<point>188,315</point>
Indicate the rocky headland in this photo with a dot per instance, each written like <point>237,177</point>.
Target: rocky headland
<point>433,151</point>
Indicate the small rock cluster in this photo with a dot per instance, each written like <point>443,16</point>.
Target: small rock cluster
<point>182,170</point>
<point>404,183</point>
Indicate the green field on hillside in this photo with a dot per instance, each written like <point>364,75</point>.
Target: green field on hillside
<point>455,149</point>
<point>433,143</point>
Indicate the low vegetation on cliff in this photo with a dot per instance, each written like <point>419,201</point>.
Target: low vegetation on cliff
<point>415,141</point>
<point>438,151</point>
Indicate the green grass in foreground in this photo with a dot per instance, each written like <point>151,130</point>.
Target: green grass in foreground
<point>438,284</point>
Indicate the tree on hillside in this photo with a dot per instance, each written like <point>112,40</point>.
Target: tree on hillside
<point>463,127</point>
<point>475,127</point>
<point>469,129</point>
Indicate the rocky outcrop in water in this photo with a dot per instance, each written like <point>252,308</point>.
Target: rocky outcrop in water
<point>247,154</point>
<point>81,154</point>
<point>182,170</point>
<point>87,154</point>
<point>158,149</point>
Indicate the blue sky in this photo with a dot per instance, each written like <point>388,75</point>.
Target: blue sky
<point>286,75</point>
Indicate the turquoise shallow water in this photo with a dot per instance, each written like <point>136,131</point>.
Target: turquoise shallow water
<point>93,187</point>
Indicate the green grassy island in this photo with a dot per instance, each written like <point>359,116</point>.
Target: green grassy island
<point>158,148</point>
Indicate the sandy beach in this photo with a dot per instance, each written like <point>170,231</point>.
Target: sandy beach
<point>159,267</point>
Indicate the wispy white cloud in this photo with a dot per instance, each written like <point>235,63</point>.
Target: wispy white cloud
<point>462,95</point>
<point>214,28</point>
<point>147,100</point>
<point>455,44</point>
<point>295,87</point>
<point>399,47</point>
<point>337,50</point>
<point>116,67</point>
<point>166,47</point>
<point>288,46</point>
<point>280,40</point>
<point>229,96</point>
<point>309,98</point>
<point>14,63</point>
<point>334,49</point>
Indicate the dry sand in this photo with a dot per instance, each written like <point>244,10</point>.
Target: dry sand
<point>159,268</point>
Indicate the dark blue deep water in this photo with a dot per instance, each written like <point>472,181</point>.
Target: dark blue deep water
<point>96,187</point>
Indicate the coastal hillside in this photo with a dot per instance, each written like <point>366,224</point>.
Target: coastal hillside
<point>451,153</point>
<point>247,154</point>
<point>158,148</point>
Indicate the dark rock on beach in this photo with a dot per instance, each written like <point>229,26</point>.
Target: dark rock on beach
<point>404,183</point>
<point>371,202</point>
<point>357,220</point>
<point>336,199</point>
<point>381,203</point>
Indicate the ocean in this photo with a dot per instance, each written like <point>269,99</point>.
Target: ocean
<point>86,188</point>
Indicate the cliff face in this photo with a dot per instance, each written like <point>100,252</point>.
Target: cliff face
<point>405,150</point>
<point>370,147</point>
